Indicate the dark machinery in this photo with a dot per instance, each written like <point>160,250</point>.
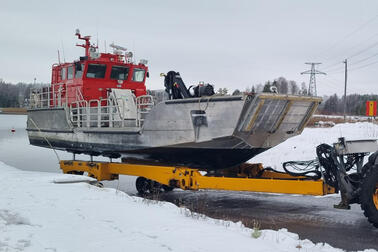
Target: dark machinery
<point>341,167</point>
<point>176,89</point>
<point>344,170</point>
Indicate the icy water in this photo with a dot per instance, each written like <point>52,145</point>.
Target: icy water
<point>16,151</point>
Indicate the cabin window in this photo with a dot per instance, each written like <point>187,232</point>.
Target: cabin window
<point>119,73</point>
<point>96,71</point>
<point>79,73</point>
<point>138,74</point>
<point>70,72</point>
<point>63,73</point>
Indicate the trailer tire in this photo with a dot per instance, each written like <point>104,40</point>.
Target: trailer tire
<point>369,194</point>
<point>142,185</point>
<point>155,187</point>
<point>167,188</point>
<point>76,172</point>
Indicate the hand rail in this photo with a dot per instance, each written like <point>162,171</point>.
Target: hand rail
<point>108,113</point>
<point>96,113</point>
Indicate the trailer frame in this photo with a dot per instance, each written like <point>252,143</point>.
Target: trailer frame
<point>249,177</point>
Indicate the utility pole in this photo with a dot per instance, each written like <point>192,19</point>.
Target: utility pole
<point>345,87</point>
<point>312,72</point>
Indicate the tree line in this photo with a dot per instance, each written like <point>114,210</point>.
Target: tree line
<point>279,85</point>
<point>15,95</point>
<point>355,104</point>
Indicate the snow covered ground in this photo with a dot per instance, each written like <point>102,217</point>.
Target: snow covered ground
<point>302,147</point>
<point>357,118</point>
<point>39,214</point>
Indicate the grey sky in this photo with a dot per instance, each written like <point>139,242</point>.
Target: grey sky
<point>231,44</point>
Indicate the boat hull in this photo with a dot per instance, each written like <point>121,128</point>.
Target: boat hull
<point>207,133</point>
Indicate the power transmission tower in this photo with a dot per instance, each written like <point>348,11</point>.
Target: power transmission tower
<point>312,72</point>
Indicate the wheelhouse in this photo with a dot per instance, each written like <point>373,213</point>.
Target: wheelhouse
<point>95,74</point>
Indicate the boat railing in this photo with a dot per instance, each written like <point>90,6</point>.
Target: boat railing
<point>54,96</point>
<point>98,113</point>
<point>144,104</point>
<point>109,113</point>
<point>40,97</point>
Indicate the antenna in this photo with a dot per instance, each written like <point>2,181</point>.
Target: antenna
<point>117,49</point>
<point>64,57</point>
<point>105,45</point>
<point>87,44</point>
<point>134,48</point>
<point>58,57</point>
<point>312,73</point>
<point>97,37</point>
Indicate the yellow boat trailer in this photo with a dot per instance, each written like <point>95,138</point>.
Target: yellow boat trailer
<point>337,161</point>
<point>246,177</point>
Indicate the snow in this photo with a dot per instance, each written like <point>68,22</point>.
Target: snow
<point>302,147</point>
<point>37,214</point>
<point>353,118</point>
<point>42,211</point>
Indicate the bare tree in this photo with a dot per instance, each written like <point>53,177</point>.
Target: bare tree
<point>294,89</point>
<point>303,89</point>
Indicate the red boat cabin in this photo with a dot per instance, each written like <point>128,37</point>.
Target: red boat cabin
<point>92,77</point>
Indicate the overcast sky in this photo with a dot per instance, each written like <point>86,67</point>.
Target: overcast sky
<point>232,44</point>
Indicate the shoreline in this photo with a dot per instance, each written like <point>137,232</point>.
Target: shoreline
<point>13,111</point>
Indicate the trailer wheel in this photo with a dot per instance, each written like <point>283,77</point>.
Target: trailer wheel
<point>76,172</point>
<point>142,185</point>
<point>167,188</point>
<point>369,195</point>
<point>155,187</point>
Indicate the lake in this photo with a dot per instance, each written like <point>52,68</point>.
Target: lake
<point>16,151</point>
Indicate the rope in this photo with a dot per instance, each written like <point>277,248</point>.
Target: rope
<point>48,142</point>
<point>207,103</point>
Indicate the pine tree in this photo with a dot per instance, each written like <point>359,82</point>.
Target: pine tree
<point>267,87</point>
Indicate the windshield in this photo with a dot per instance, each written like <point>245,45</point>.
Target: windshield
<point>96,71</point>
<point>79,73</point>
<point>63,73</point>
<point>70,72</point>
<point>119,73</point>
<point>138,74</point>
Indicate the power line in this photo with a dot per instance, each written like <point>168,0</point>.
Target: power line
<point>356,54</point>
<point>333,65</point>
<point>356,68</point>
<point>336,71</point>
<point>350,34</point>
<point>362,42</point>
<point>363,66</point>
<point>338,68</point>
<point>352,48</point>
<point>363,50</point>
<point>365,59</point>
